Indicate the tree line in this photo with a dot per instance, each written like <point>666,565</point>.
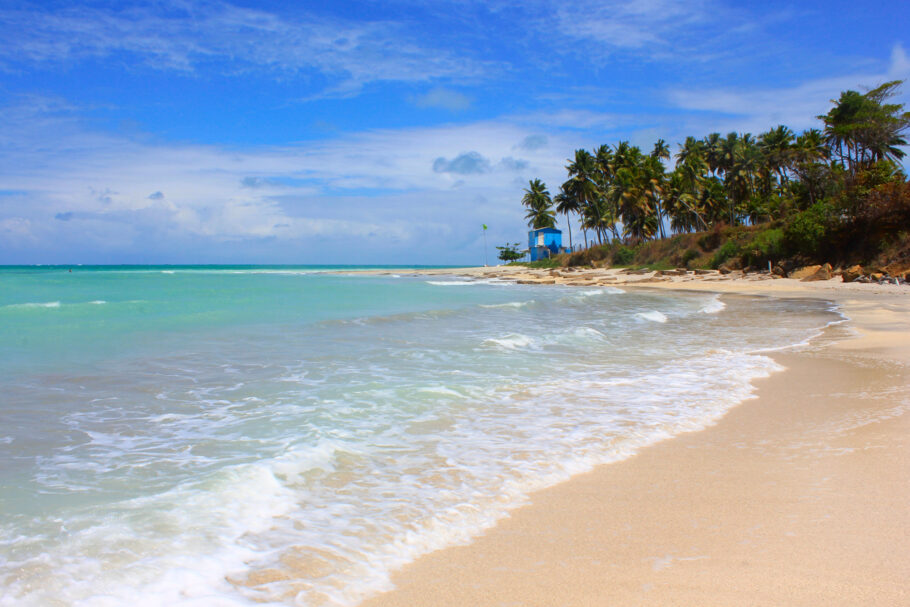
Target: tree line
<point>623,192</point>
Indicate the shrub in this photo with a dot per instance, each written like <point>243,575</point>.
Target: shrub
<point>623,256</point>
<point>688,256</point>
<point>726,251</point>
<point>767,246</point>
<point>807,231</point>
<point>549,262</point>
<point>586,257</point>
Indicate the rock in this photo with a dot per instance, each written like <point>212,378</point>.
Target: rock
<point>852,273</point>
<point>822,273</point>
<point>804,272</point>
<point>877,276</point>
<point>724,269</point>
<point>778,272</point>
<point>789,265</point>
<point>700,272</point>
<point>676,272</point>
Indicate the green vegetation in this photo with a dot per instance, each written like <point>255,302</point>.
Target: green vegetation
<point>549,262</point>
<point>833,194</point>
<point>510,252</point>
<point>623,256</point>
<point>540,208</point>
<point>726,251</point>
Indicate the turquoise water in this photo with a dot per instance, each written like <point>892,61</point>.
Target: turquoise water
<point>226,435</point>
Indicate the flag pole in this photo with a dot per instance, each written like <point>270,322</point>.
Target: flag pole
<point>485,245</point>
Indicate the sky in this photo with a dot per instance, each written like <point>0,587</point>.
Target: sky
<point>178,131</point>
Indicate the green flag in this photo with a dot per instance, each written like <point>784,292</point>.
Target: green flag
<point>484,226</point>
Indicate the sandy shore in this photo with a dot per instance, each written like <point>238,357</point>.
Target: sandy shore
<point>798,497</point>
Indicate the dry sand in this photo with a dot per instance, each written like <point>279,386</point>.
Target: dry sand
<point>798,497</point>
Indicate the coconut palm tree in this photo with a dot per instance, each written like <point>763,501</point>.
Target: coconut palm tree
<point>540,208</point>
<point>682,205</point>
<point>566,203</point>
<point>886,124</point>
<point>808,161</point>
<point>657,178</point>
<point>711,151</point>
<point>776,147</point>
<point>605,162</point>
<point>581,186</point>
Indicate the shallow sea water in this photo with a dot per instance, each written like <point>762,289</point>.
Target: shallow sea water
<point>233,436</point>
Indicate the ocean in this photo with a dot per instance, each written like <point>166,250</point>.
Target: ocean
<point>240,435</point>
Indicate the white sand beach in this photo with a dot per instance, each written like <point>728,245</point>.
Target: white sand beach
<point>797,497</point>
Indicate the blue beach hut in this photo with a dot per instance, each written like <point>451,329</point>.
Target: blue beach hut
<point>544,242</point>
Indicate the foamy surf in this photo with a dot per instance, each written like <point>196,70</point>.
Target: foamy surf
<point>514,341</point>
<point>601,291</point>
<point>32,305</point>
<point>653,316</point>
<point>208,449</point>
<point>509,304</point>
<point>714,306</point>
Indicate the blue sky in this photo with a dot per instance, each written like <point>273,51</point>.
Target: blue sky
<point>376,132</point>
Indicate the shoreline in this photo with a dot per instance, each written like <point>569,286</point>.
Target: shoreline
<point>774,504</point>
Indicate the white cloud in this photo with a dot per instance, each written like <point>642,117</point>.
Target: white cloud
<point>796,106</point>
<point>227,38</point>
<point>651,26</point>
<point>373,196</point>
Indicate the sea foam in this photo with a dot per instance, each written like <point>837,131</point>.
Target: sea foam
<point>714,306</point>
<point>653,316</point>
<point>301,461</point>
<point>27,305</point>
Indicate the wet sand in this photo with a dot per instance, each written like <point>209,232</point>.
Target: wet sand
<point>797,497</point>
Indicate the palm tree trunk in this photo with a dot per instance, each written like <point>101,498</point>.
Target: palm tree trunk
<point>569,223</point>
<point>660,221</point>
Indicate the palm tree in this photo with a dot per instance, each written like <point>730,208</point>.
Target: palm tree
<point>567,204</point>
<point>581,186</point>
<point>886,124</point>
<point>682,205</point>
<point>808,161</point>
<point>657,178</point>
<point>862,129</point>
<point>661,150</point>
<point>843,125</point>
<point>540,208</point>
<point>711,148</point>
<point>636,188</point>
<point>605,161</point>
<point>777,146</point>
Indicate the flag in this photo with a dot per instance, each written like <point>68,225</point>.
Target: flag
<point>484,226</point>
